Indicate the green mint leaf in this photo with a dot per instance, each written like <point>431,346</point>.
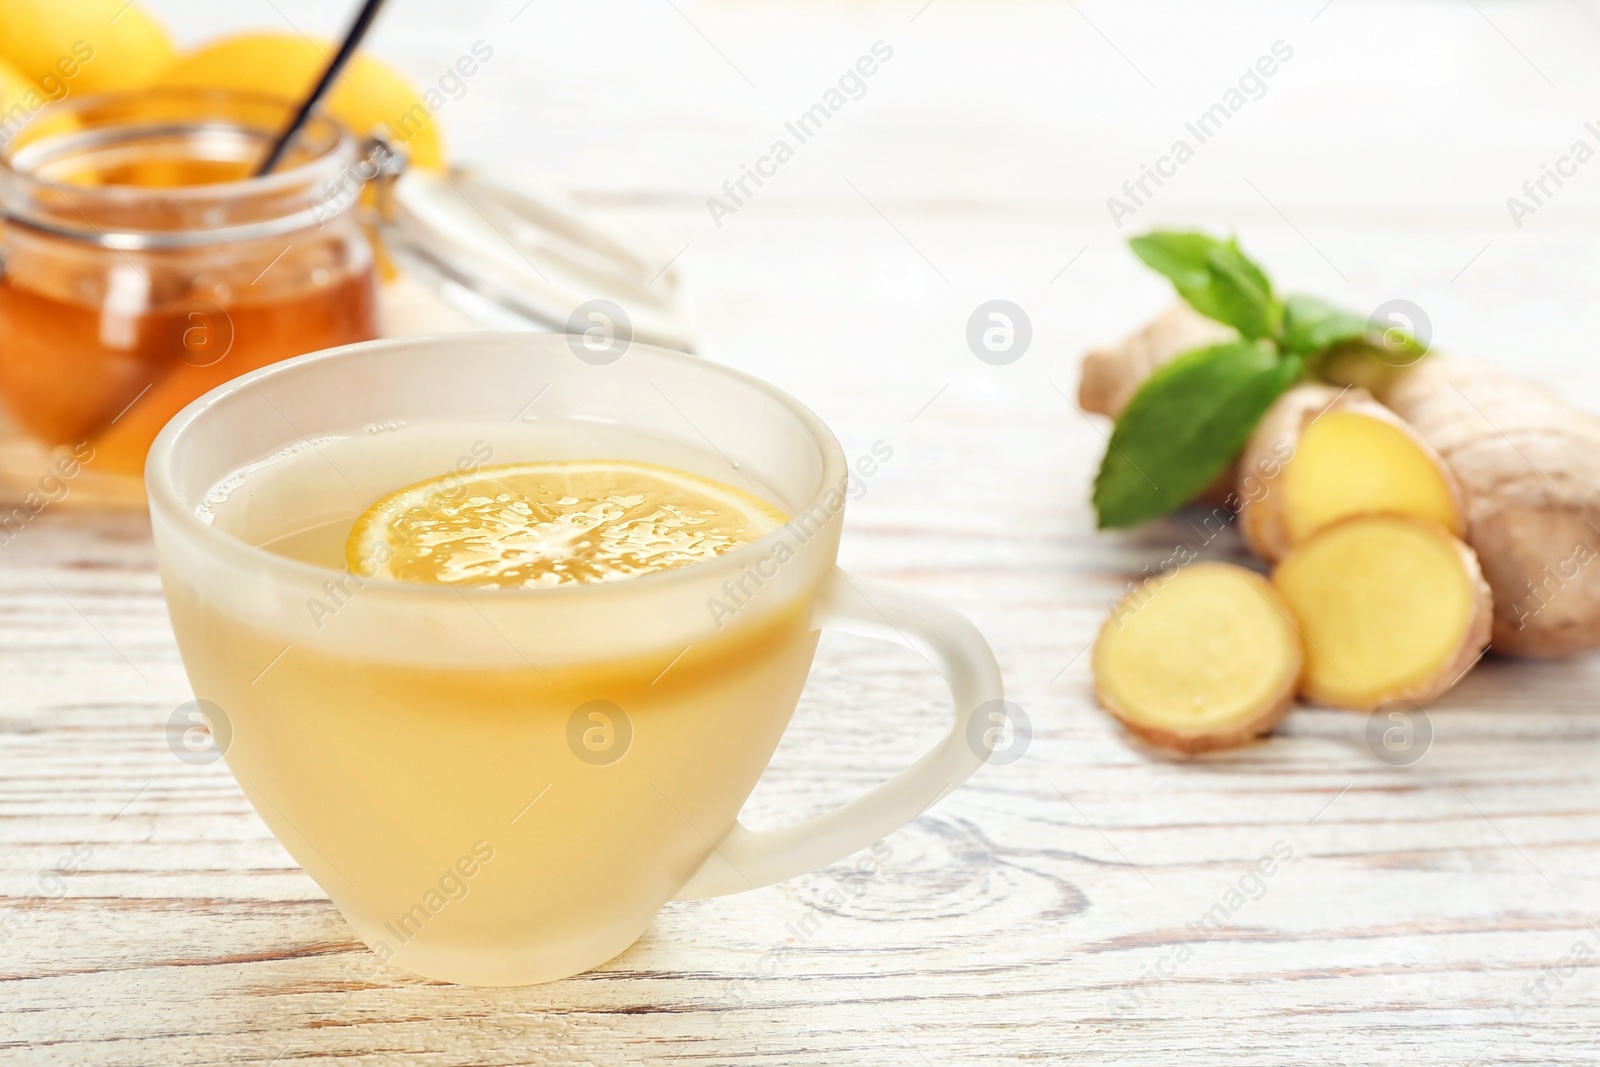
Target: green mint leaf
<point>1345,349</point>
<point>1311,324</point>
<point>1216,278</point>
<point>1184,426</point>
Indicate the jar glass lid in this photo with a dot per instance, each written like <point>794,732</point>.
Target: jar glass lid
<point>513,256</point>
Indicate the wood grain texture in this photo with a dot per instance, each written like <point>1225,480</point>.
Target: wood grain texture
<point>1050,911</point>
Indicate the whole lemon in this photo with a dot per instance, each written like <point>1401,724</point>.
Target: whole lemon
<point>82,46</point>
<point>14,90</point>
<point>368,95</point>
<point>21,100</point>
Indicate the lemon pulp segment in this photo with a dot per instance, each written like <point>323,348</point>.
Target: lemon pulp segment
<point>530,525</point>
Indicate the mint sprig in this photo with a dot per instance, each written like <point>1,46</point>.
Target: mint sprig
<point>1184,427</point>
<point>1311,324</point>
<point>1217,279</point>
<point>1190,419</point>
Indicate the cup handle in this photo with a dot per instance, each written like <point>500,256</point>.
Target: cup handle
<point>748,860</point>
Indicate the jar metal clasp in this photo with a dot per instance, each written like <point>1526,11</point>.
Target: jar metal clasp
<point>386,162</point>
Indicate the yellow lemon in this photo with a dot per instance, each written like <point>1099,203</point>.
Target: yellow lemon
<point>82,46</point>
<point>14,92</point>
<point>528,525</point>
<point>21,99</point>
<point>368,95</point>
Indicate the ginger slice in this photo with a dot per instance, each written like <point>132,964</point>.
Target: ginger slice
<point>1202,659</point>
<point>1391,608</point>
<point>1321,455</point>
<point>1365,462</point>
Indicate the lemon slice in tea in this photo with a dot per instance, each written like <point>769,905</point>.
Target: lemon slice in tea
<point>529,525</point>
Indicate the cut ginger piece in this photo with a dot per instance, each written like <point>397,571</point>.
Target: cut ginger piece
<point>1391,608</point>
<point>1350,463</point>
<point>1322,455</point>
<point>1202,659</point>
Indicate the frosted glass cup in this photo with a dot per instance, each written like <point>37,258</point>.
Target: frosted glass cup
<point>501,787</point>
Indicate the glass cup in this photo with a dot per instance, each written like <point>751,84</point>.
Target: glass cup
<point>501,787</point>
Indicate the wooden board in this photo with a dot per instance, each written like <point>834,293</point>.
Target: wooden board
<point>1053,910</point>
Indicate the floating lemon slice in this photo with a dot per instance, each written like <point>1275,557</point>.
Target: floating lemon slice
<point>529,525</point>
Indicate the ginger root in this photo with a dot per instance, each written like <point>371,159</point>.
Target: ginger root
<point>1202,659</point>
<point>1322,454</point>
<point>1391,608</point>
<point>1110,376</point>
<point>1528,465</point>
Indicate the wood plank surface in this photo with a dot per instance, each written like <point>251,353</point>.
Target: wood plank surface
<point>1053,910</point>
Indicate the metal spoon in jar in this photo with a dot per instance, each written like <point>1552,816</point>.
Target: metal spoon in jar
<point>352,41</point>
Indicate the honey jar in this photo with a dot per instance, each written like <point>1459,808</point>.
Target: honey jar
<point>141,263</point>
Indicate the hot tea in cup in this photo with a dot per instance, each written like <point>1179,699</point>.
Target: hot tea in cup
<point>503,639</point>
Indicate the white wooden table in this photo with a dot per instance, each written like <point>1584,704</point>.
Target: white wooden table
<point>1043,912</point>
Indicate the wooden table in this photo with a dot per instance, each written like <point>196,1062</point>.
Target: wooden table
<point>1052,910</point>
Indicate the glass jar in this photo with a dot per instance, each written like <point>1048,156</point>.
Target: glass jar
<point>141,264</point>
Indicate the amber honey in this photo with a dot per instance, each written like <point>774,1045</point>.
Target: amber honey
<point>143,265</point>
<point>64,384</point>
